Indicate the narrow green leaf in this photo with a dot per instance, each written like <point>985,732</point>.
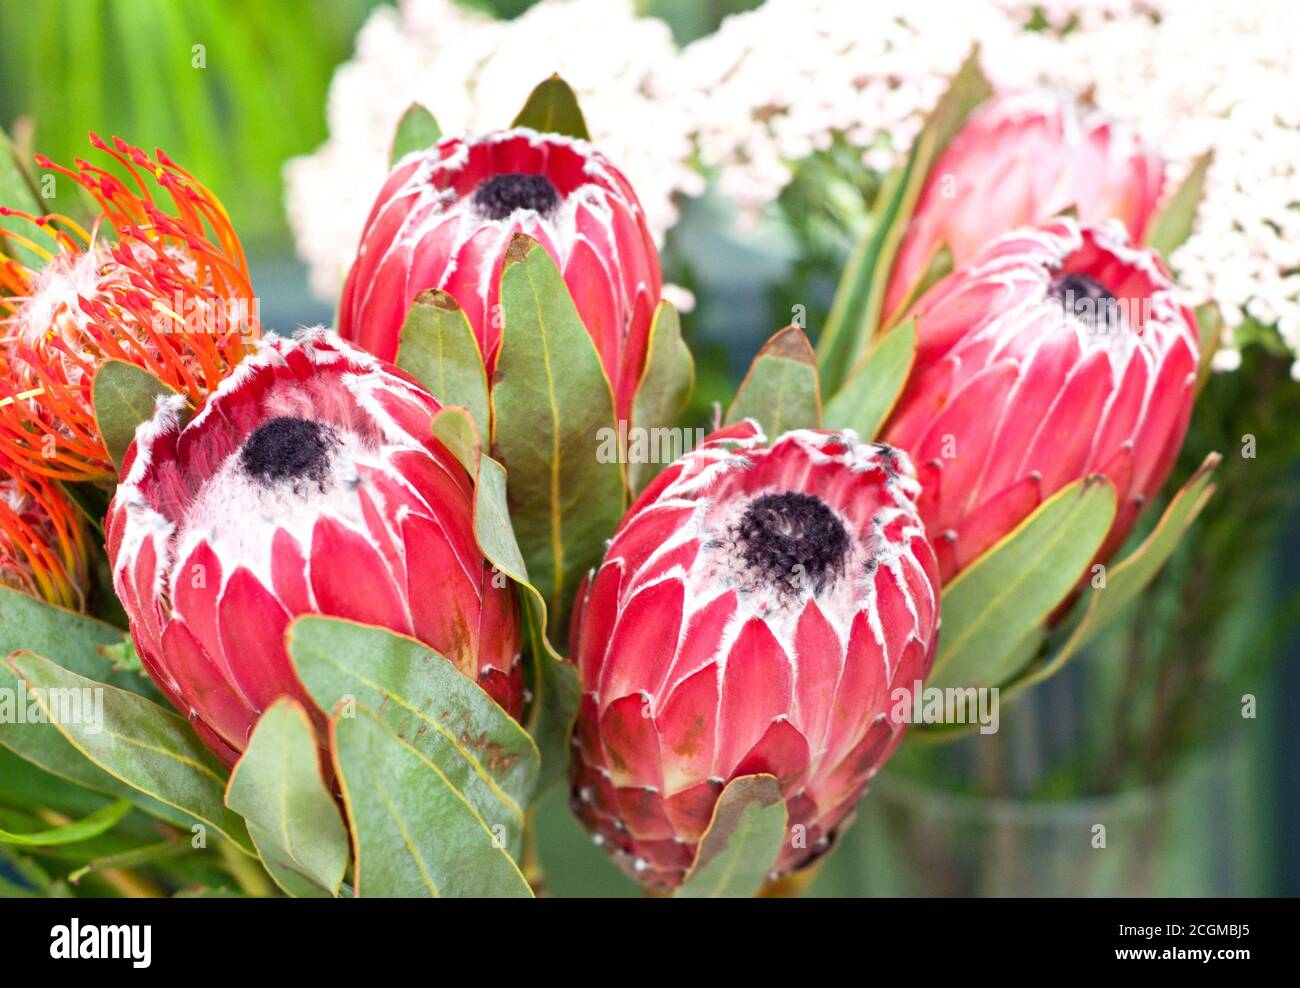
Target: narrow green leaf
<point>278,789</point>
<point>743,841</point>
<point>555,688</point>
<point>1209,323</point>
<point>135,857</point>
<point>553,108</point>
<point>415,834</point>
<point>1169,228</point>
<point>124,395</point>
<point>482,753</point>
<point>665,386</point>
<point>552,404</point>
<point>16,192</point>
<point>1130,576</point>
<point>869,395</point>
<point>91,826</point>
<point>993,604</point>
<point>855,315</point>
<point>416,131</point>
<point>134,740</point>
<point>780,390</point>
<point>437,348</point>
<point>41,745</point>
<point>74,641</point>
<point>1018,656</point>
<point>556,694</point>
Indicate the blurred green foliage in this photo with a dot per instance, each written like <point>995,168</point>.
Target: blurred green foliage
<point>228,89</point>
<point>231,89</point>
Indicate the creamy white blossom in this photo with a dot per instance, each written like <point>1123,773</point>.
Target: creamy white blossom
<point>773,85</point>
<point>474,73</point>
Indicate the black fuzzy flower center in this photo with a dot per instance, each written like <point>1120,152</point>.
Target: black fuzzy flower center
<point>501,195</point>
<point>287,448</point>
<point>791,541</point>
<point>1087,300</point>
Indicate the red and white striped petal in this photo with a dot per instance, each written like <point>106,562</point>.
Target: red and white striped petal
<point>446,215</point>
<point>1021,159</point>
<point>752,615</point>
<point>309,483</point>
<point>1015,396</point>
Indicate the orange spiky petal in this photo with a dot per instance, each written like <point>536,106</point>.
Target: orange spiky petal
<point>158,295</point>
<point>43,546</point>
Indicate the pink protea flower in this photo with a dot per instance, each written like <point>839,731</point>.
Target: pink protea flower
<point>445,217</point>
<point>1021,159</point>
<point>309,483</point>
<point>1056,353</point>
<point>43,550</point>
<point>753,614</point>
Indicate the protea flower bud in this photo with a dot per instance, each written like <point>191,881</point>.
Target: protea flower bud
<point>42,541</point>
<point>310,483</point>
<point>752,615</point>
<point>1021,159</point>
<point>1056,353</point>
<point>445,217</point>
<point>170,294</point>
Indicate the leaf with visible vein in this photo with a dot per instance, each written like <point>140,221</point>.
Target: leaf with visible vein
<point>139,743</point>
<point>278,789</point>
<point>90,826</point>
<point>415,834</point>
<point>741,846</point>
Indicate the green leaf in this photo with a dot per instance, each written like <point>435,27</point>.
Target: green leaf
<point>278,789</point>
<point>665,385</point>
<point>869,395</point>
<point>552,405</point>
<point>482,753</point>
<point>855,315</point>
<point>415,833</point>
<point>552,108</point>
<point>437,347</point>
<point>91,826</point>
<point>41,745</point>
<point>1130,576</point>
<point>1170,227</point>
<point>744,838</point>
<point>416,131</point>
<point>124,395</point>
<point>1209,323</point>
<point>555,686</point>
<point>135,857</point>
<point>16,192</point>
<point>74,641</point>
<point>137,742</point>
<point>556,694</point>
<point>780,390</point>
<point>996,601</point>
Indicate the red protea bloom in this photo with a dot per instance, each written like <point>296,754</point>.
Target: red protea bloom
<point>310,483</point>
<point>166,292</point>
<point>1056,353</point>
<point>1020,160</point>
<point>753,613</point>
<point>444,220</point>
<point>42,541</point>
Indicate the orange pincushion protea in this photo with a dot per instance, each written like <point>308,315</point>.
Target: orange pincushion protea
<point>169,293</point>
<point>42,542</point>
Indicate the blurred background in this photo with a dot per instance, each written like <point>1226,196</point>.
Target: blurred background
<point>1197,801</point>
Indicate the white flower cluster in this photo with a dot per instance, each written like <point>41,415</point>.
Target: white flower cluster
<point>474,73</point>
<point>773,85</point>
